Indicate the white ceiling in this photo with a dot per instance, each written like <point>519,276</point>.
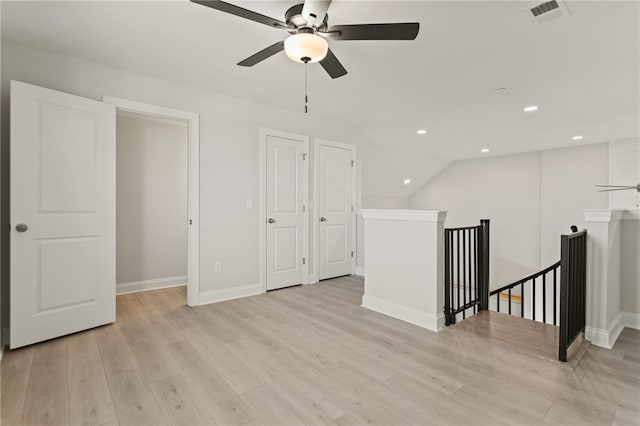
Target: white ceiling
<point>583,71</point>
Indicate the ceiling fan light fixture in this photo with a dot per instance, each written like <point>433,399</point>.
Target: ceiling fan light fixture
<point>306,47</point>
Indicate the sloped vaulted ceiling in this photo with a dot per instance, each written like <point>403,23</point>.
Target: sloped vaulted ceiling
<point>581,70</point>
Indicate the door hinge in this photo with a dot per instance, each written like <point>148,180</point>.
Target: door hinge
<point>304,156</point>
<point>304,260</point>
<point>351,209</point>
<point>304,209</point>
<point>190,222</point>
<point>351,253</point>
<point>352,163</point>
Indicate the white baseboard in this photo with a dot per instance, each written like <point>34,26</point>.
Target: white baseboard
<point>605,338</point>
<point>433,322</point>
<point>360,270</point>
<point>630,319</point>
<point>312,279</point>
<point>214,296</point>
<point>155,284</point>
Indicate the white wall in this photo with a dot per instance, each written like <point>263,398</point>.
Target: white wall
<point>151,198</point>
<point>229,148</point>
<point>624,169</point>
<point>531,199</point>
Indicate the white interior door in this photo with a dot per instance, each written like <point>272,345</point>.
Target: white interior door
<point>284,211</point>
<point>62,214</point>
<point>335,211</point>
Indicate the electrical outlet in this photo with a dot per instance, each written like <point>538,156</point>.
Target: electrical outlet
<point>217,268</point>
<point>249,203</point>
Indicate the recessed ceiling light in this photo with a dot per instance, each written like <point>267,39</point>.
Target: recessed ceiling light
<point>422,132</point>
<point>485,150</point>
<point>531,108</point>
<point>577,137</point>
<point>407,181</point>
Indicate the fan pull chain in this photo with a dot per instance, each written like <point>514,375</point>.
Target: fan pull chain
<point>306,98</point>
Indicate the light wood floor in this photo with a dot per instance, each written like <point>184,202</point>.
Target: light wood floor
<point>520,335</point>
<point>306,355</point>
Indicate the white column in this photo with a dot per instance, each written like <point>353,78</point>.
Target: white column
<point>603,325</point>
<point>404,260</point>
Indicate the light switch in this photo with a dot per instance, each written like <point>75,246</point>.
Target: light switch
<point>249,203</point>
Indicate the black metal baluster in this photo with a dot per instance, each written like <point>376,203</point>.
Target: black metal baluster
<point>555,295</point>
<point>458,269</point>
<point>464,273</point>
<point>498,302</point>
<point>522,299</point>
<point>544,298</point>
<point>509,301</point>
<point>533,298</point>
<point>475,269</point>
<point>453,316</point>
<point>469,268</point>
<point>447,301</point>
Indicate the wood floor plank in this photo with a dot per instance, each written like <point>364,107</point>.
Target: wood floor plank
<point>223,403</point>
<point>133,402</point>
<point>15,371</point>
<point>47,396</point>
<point>179,406</point>
<point>154,363</point>
<point>235,372</point>
<point>271,408</point>
<point>114,350</point>
<point>89,397</point>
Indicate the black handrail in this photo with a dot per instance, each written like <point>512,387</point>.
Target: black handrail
<point>529,278</point>
<point>532,278</point>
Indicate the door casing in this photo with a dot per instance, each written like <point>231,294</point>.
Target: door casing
<point>317,142</point>
<point>304,140</point>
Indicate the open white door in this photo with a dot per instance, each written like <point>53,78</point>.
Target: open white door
<point>285,211</point>
<point>62,214</point>
<point>336,208</point>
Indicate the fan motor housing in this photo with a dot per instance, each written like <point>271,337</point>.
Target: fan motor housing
<point>293,18</point>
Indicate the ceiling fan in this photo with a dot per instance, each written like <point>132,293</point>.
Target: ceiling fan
<point>308,28</point>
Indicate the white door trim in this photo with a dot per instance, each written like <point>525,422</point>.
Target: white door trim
<point>193,123</point>
<point>262,217</point>
<point>354,198</point>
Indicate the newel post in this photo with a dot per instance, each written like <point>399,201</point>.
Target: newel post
<point>484,264</point>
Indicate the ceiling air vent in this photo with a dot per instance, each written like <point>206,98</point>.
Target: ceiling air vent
<point>548,10</point>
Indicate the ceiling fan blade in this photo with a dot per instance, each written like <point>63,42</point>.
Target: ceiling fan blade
<point>263,54</point>
<point>402,31</point>
<point>315,10</point>
<point>617,189</point>
<point>241,12</point>
<point>332,65</point>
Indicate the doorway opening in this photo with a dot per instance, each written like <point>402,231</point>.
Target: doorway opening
<point>156,200</point>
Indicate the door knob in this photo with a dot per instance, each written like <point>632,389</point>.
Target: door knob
<point>323,219</point>
<point>271,220</point>
<point>22,227</point>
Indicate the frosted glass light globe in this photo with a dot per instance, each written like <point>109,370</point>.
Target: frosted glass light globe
<point>306,45</point>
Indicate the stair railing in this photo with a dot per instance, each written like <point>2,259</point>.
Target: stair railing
<point>568,278</point>
<point>539,279</point>
<point>466,272</point>
<point>573,289</point>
